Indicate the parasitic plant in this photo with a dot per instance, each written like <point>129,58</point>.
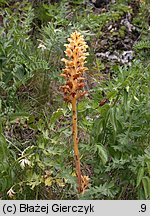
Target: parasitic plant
<point>73,90</point>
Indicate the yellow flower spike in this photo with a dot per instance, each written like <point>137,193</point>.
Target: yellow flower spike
<point>85,183</point>
<point>74,69</point>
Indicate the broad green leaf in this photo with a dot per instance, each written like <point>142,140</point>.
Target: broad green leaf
<point>140,176</point>
<point>102,153</point>
<point>113,118</point>
<point>56,115</point>
<point>146,185</point>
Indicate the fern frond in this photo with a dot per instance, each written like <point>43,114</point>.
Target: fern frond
<point>144,44</point>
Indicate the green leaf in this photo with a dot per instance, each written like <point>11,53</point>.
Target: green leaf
<point>3,2</point>
<point>55,116</point>
<point>102,153</point>
<point>136,98</point>
<point>146,185</point>
<point>148,167</point>
<point>113,118</point>
<point>140,176</point>
<point>0,105</point>
<point>34,180</point>
<point>3,147</point>
<point>125,95</point>
<point>3,184</point>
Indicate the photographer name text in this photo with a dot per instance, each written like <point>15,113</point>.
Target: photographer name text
<point>46,209</point>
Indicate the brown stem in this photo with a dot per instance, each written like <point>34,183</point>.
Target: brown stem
<point>75,141</point>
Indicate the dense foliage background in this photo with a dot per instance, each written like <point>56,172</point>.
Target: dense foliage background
<point>36,155</point>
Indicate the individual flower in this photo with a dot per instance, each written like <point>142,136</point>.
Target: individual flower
<point>84,183</point>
